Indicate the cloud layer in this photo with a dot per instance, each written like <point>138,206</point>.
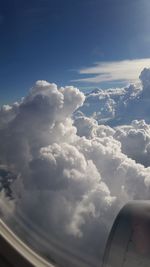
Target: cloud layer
<point>125,71</point>
<point>67,174</point>
<point>119,106</point>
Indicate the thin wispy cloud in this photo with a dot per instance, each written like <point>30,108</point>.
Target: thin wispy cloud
<point>125,71</point>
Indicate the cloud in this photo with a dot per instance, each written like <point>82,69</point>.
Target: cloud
<point>69,175</point>
<point>118,106</point>
<point>124,71</point>
<point>114,106</point>
<point>135,141</point>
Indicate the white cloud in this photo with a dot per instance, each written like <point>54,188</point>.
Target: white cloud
<point>125,71</point>
<point>72,175</point>
<point>119,106</point>
<point>135,141</point>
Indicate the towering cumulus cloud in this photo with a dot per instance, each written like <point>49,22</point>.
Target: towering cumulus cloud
<point>65,173</point>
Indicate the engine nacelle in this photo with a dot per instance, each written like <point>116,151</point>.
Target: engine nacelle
<point>128,244</point>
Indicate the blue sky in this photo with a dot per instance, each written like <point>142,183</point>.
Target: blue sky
<point>57,39</point>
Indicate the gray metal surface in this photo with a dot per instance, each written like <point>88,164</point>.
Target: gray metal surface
<point>129,241</point>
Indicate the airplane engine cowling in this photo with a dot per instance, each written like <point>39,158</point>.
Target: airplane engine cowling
<point>128,244</point>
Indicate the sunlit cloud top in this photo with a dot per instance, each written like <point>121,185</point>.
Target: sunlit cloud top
<point>125,71</point>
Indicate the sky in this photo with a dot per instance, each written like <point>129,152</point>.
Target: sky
<point>56,40</point>
<point>68,160</point>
